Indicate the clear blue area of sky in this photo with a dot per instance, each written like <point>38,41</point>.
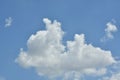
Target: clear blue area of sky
<point>77,16</point>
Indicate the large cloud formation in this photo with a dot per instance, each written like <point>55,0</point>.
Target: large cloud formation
<point>51,58</point>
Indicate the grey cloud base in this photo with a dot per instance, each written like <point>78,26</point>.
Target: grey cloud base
<point>51,58</point>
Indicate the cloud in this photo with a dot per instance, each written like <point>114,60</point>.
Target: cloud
<point>8,22</point>
<point>115,76</point>
<point>51,58</point>
<point>114,72</point>
<point>110,29</point>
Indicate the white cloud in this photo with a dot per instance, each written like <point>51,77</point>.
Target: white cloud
<point>111,28</point>
<point>51,58</point>
<point>8,22</point>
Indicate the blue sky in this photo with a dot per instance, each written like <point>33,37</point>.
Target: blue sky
<point>76,17</point>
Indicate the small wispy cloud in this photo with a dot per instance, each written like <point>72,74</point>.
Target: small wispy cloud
<point>114,72</point>
<point>2,78</point>
<point>110,29</point>
<point>8,22</point>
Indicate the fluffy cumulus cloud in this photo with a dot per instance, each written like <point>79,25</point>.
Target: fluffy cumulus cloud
<point>8,22</point>
<point>110,29</point>
<point>51,58</point>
